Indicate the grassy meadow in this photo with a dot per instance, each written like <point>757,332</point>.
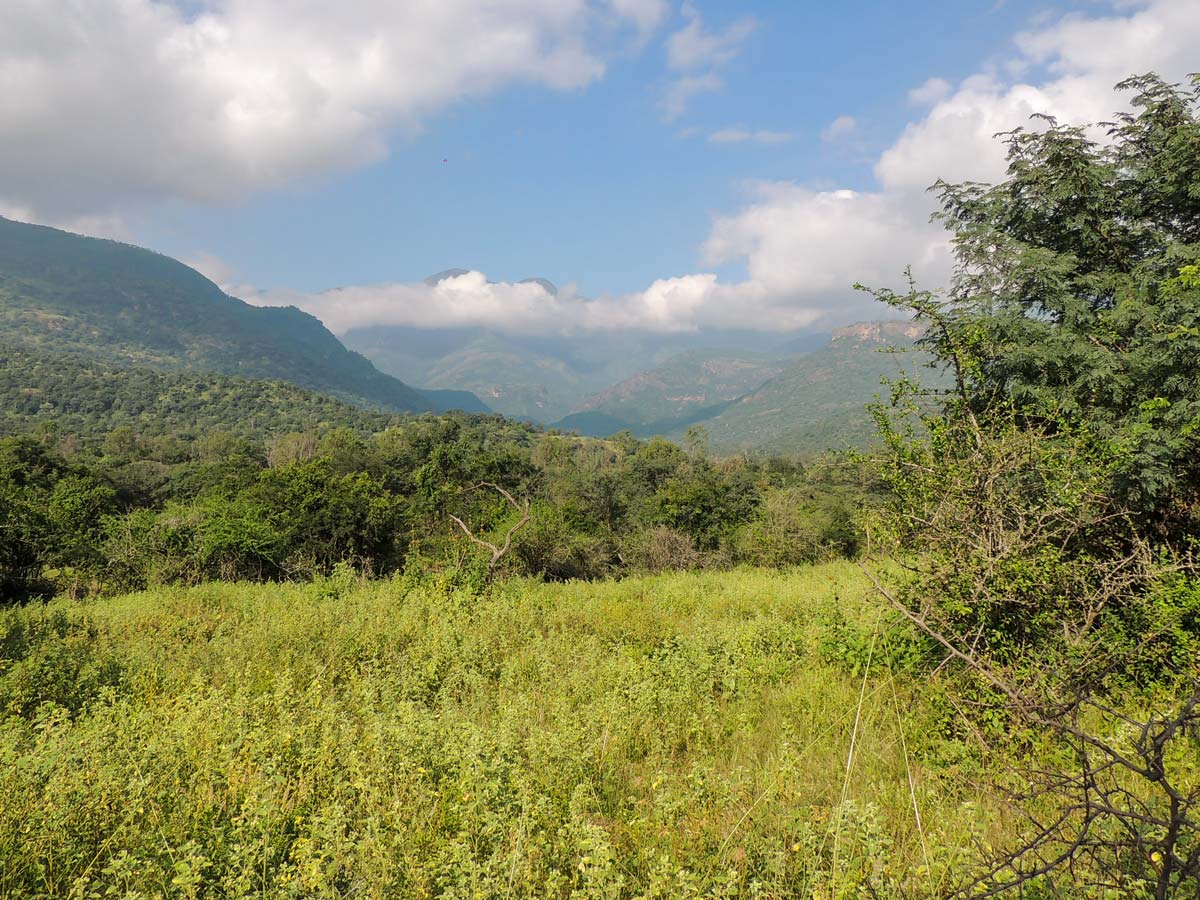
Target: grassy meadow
<point>672,736</point>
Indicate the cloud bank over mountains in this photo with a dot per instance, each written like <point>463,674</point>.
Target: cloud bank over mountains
<point>250,94</point>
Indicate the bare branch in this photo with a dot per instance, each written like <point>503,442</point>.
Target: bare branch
<point>498,552</point>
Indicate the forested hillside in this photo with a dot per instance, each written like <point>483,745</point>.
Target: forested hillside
<point>819,401</point>
<point>123,304</point>
<point>87,398</point>
<point>687,388</point>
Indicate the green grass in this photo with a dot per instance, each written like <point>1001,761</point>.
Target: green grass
<point>676,736</point>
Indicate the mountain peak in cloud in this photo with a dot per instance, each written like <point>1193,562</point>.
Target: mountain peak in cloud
<point>438,277</point>
<point>548,286</point>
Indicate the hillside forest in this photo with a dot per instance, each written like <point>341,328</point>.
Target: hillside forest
<point>278,630</point>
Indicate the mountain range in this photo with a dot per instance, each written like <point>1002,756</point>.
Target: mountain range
<point>127,308</point>
<point>545,378</point>
<point>783,403</point>
<point>67,293</point>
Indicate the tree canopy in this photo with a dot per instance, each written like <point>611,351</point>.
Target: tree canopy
<point>1076,297</point>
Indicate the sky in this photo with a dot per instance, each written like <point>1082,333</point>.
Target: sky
<point>670,166</point>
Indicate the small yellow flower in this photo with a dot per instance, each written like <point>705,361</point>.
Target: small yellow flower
<point>796,847</point>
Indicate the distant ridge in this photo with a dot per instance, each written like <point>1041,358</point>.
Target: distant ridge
<point>799,404</point>
<point>453,401</point>
<point>688,387</point>
<point>819,402</point>
<point>65,292</point>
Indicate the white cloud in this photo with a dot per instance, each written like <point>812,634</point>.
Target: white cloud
<point>839,129</point>
<point>107,102</point>
<point>791,240</point>
<point>680,92</point>
<point>213,268</point>
<point>694,46</point>
<point>742,136</point>
<point>803,249</point>
<point>470,299</point>
<point>647,14</point>
<point>1082,58</point>
<point>111,226</point>
<point>930,91</point>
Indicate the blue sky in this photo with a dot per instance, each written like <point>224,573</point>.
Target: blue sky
<point>592,185</point>
<point>290,148</point>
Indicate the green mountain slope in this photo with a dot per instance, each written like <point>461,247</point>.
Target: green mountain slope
<point>818,402</point>
<point>89,397</point>
<point>803,404</point>
<point>529,378</point>
<point>448,400</point>
<point>509,378</point>
<point>65,292</point>
<point>686,387</point>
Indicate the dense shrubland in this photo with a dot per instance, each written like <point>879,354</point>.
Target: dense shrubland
<point>1055,492</point>
<point>123,511</point>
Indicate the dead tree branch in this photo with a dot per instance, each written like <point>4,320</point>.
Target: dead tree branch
<point>499,551</point>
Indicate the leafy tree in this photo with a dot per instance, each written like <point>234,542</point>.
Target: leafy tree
<point>704,505</point>
<point>1054,490</point>
<point>1077,294</point>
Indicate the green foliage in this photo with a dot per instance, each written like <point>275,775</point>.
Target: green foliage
<point>706,505</point>
<point>50,519</point>
<point>555,548</point>
<point>798,525</point>
<point>1052,491</point>
<point>105,511</point>
<point>1077,299</point>
<point>677,736</point>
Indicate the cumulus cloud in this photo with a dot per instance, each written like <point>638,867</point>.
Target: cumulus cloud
<point>742,136</point>
<point>802,249</point>
<point>839,129</point>
<point>931,91</point>
<point>115,100</point>
<point>111,226</point>
<point>469,299</point>
<point>646,14</point>
<point>1082,56</point>
<point>791,240</point>
<point>680,91</point>
<point>685,303</point>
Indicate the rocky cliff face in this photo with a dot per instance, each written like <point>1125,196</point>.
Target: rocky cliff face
<point>879,332</point>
